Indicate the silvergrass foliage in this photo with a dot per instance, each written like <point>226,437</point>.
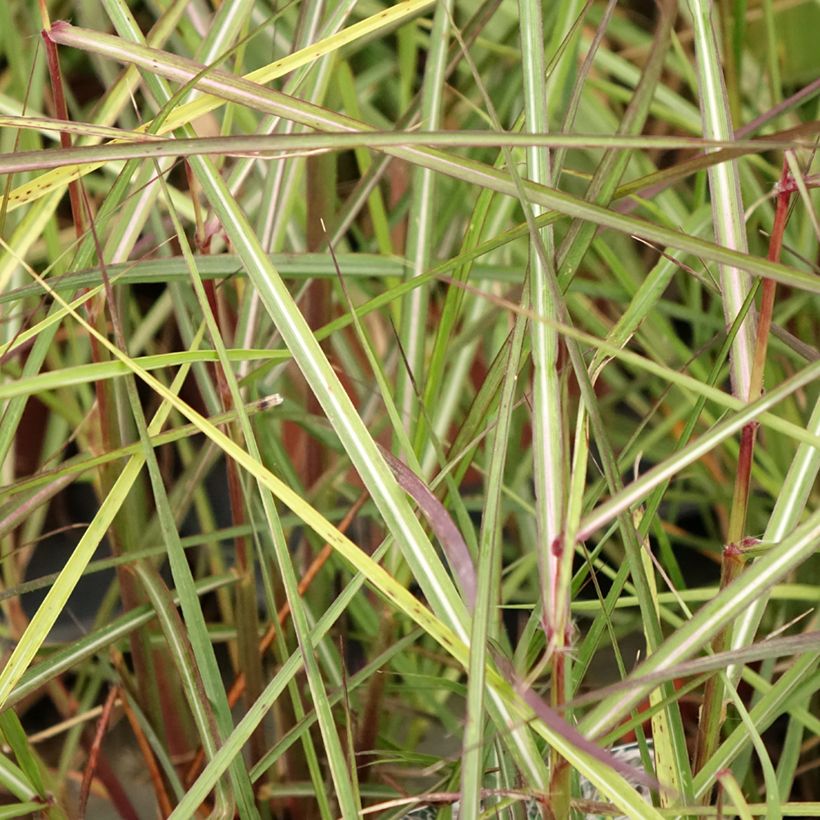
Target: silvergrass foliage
<point>408,407</point>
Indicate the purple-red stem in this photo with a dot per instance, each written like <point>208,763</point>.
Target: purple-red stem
<point>712,715</point>
<point>94,752</point>
<point>61,113</point>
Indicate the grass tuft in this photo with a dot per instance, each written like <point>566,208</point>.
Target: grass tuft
<point>407,408</point>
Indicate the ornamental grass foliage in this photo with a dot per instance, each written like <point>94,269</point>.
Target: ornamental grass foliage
<point>409,409</point>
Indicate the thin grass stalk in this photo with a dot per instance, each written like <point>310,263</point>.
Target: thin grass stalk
<point>745,764</point>
<point>731,788</point>
<point>320,193</point>
<point>773,799</point>
<point>160,790</point>
<point>556,622</point>
<point>669,742</point>
<point>563,46</point>
<point>522,745</point>
<point>21,138</point>
<point>376,206</point>
<point>547,398</point>
<point>124,145</point>
<point>724,183</point>
<point>792,751</point>
<point>420,229</point>
<point>78,701</point>
<point>803,469</point>
<point>246,606</point>
<point>485,620</point>
<point>61,112</point>
<point>573,104</point>
<point>549,424</point>
<point>12,411</point>
<point>731,21</point>
<point>740,499</point>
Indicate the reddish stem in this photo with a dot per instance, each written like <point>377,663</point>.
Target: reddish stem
<point>94,751</point>
<point>712,711</point>
<point>61,112</point>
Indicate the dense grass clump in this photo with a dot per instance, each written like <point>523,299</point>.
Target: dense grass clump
<point>409,409</point>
